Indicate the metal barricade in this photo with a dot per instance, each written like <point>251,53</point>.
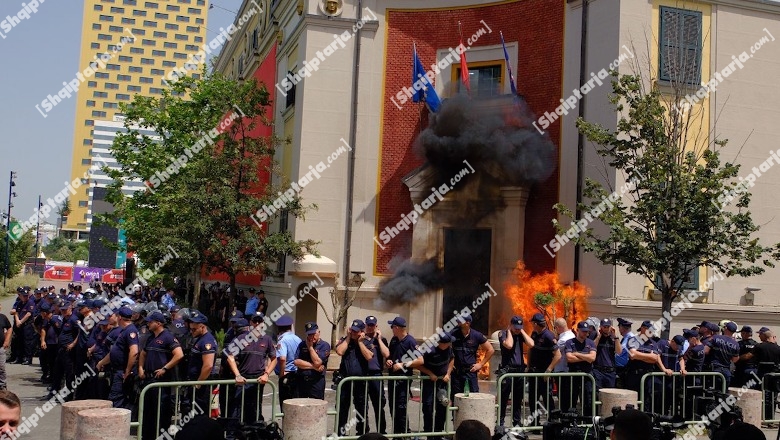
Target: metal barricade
<point>572,391</point>
<point>769,388</point>
<point>399,388</point>
<point>675,394</point>
<point>181,398</point>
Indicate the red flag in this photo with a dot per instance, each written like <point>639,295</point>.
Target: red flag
<point>464,68</point>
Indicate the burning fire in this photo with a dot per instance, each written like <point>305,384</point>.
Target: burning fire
<point>545,294</point>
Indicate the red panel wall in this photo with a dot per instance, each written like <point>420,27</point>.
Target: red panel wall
<point>538,27</point>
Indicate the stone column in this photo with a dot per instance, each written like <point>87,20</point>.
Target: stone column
<point>750,401</point>
<point>103,424</point>
<point>616,397</point>
<point>477,406</point>
<point>69,415</point>
<point>305,419</point>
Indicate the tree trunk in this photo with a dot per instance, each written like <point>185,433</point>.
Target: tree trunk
<point>196,295</point>
<point>666,307</point>
<point>333,336</point>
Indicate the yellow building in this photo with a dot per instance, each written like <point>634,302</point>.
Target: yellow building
<point>138,43</point>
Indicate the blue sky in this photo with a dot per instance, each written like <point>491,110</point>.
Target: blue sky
<point>36,56</point>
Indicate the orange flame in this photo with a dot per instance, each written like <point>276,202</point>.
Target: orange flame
<point>484,372</point>
<point>557,300</point>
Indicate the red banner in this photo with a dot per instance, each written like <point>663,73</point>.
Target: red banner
<point>114,276</point>
<point>59,273</point>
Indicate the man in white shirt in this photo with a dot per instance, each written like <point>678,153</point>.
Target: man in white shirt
<point>564,334</point>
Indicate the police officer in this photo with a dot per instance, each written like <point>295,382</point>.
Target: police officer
<point>122,358</point>
<point>465,342</point>
<point>438,364</point>
<point>668,356</point>
<point>311,362</point>
<point>746,366</point>
<point>286,349</point>
<point>511,342</point>
<point>251,303</point>
<point>24,325</point>
<point>767,355</point>
<point>401,344</point>
<point>157,360</point>
<point>376,388</point>
<point>643,358</point>
<point>621,360</point>
<point>202,355</point>
<point>580,354</point>
<point>692,361</point>
<point>607,350</point>
<point>48,340</point>
<point>719,352</point>
<point>98,348</point>
<point>542,358</point>
<point>262,303</point>
<point>80,350</point>
<point>251,367</point>
<point>63,368</point>
<point>355,351</point>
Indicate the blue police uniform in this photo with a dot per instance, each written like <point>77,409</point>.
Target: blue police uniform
<point>353,364</point>
<point>286,348</point>
<point>512,361</point>
<point>159,351</point>
<point>203,345</point>
<point>669,359</point>
<point>251,306</point>
<point>722,350</point>
<point>51,328</point>
<point>437,361</point>
<point>376,389</point>
<point>398,392</point>
<point>64,363</point>
<point>311,384</point>
<point>28,331</point>
<point>578,388</point>
<point>604,366</point>
<point>121,391</point>
<point>539,359</point>
<point>252,362</point>
<point>465,351</point>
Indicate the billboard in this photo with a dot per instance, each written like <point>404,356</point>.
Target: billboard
<point>58,273</point>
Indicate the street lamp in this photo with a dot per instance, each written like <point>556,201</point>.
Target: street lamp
<point>11,194</point>
<point>37,236</point>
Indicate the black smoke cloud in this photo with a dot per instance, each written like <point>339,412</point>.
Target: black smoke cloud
<point>410,280</point>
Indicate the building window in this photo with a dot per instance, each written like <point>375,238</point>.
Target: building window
<point>86,142</point>
<point>147,61</point>
<point>158,72</point>
<point>170,45</point>
<point>160,16</point>
<point>112,66</point>
<point>184,1</point>
<point>150,5</point>
<point>104,37</point>
<point>111,86</point>
<point>110,105</point>
<point>150,23</point>
<point>485,81</point>
<point>173,8</point>
<point>106,18</point>
<point>183,18</point>
<point>83,203</point>
<point>116,29</point>
<point>136,69</point>
<point>126,20</point>
<point>172,26</point>
<point>133,88</point>
<point>155,91</point>
<point>125,59</point>
<point>97,94</point>
<point>182,56</point>
<point>679,49</point>
<point>101,75</point>
<point>90,103</point>
<point>98,114</point>
<point>158,53</point>
<point>139,13</point>
<point>146,42</point>
<point>139,31</point>
<point>191,47</point>
<point>181,37</point>
<point>290,98</point>
<point>94,45</point>
<point>91,83</point>
<point>123,78</point>
<point>198,39</point>
<point>98,7</point>
<point>117,10</point>
<point>203,3</point>
<point>122,97</point>
<point>196,76</point>
<point>160,34</point>
<point>166,63</point>
<point>145,80</point>
<point>136,50</point>
<point>193,29</point>
<point>96,26</point>
<point>199,21</point>
<point>89,123</point>
<point>130,2</point>
<point>194,11</point>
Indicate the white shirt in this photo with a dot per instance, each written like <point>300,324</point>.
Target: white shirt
<point>562,366</point>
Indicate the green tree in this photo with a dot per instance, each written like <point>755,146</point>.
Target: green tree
<point>675,221</point>
<point>202,210</point>
<point>18,253</point>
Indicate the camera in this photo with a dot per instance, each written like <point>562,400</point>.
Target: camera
<point>336,379</point>
<point>565,426</point>
<point>715,402</point>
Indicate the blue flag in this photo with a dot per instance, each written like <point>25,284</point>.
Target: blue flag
<point>422,88</point>
<point>508,67</point>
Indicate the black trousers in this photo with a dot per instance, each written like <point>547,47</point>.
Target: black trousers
<point>312,387</point>
<point>434,413</point>
<point>63,371</point>
<point>358,391</point>
<point>540,387</point>
<point>398,395</point>
<point>376,391</point>
<point>516,388</point>
<point>288,388</point>
<point>153,399</point>
<point>572,389</point>
<point>48,358</point>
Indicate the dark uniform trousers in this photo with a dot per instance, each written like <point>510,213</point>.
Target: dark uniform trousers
<point>121,391</point>
<point>311,386</point>
<point>359,391</point>
<point>28,333</point>
<point>605,377</point>
<point>434,413</point>
<point>398,395</point>
<point>573,389</point>
<point>153,399</point>
<point>288,386</point>
<point>459,378</point>
<point>376,391</point>
<point>634,375</point>
<point>63,371</point>
<point>516,388</point>
<point>539,387</point>
<point>246,403</point>
<point>48,359</point>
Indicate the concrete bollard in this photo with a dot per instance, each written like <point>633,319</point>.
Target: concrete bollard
<point>69,415</point>
<point>750,401</point>
<point>103,424</point>
<point>477,406</point>
<point>305,419</point>
<point>610,397</point>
